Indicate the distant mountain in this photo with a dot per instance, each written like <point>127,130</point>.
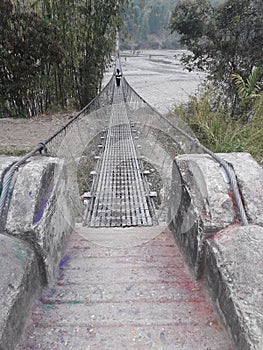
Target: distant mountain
<point>147,24</point>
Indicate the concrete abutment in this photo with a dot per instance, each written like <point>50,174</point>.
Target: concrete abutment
<point>226,255</point>
<point>202,216</point>
<point>38,222</point>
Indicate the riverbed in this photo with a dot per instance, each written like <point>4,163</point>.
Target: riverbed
<point>159,77</point>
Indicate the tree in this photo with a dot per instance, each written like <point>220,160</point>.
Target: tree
<point>223,40</point>
<point>148,20</point>
<point>102,19</point>
<point>54,53</point>
<point>26,43</point>
<point>87,33</point>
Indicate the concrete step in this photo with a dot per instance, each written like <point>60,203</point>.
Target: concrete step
<point>112,296</point>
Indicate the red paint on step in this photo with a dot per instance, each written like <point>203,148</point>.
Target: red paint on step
<point>150,301</point>
<point>191,286</point>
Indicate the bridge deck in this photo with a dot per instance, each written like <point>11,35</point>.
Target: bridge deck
<point>123,287</point>
<point>131,297</point>
<point>119,194</point>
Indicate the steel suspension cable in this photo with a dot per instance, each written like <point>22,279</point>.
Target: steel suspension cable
<point>226,166</point>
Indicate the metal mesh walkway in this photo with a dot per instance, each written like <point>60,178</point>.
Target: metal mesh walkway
<point>119,194</point>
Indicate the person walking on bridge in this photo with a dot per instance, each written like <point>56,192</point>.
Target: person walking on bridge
<point>118,76</point>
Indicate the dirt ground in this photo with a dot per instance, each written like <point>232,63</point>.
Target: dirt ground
<point>157,76</point>
<point>17,136</point>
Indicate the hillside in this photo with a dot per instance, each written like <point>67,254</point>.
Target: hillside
<point>147,24</point>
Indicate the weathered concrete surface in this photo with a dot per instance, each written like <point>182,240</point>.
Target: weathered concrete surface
<point>203,219</point>
<point>118,238</point>
<point>200,204</point>
<point>250,179</point>
<point>234,274</point>
<point>39,212</point>
<point>138,297</point>
<point>19,283</point>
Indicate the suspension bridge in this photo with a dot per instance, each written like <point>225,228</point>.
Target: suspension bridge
<point>120,194</point>
<point>122,281</point>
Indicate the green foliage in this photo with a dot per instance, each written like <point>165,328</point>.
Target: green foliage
<point>26,45</point>
<point>147,24</point>
<point>87,33</point>
<point>224,40</point>
<point>249,88</point>
<point>250,94</point>
<point>210,118</point>
<point>54,53</point>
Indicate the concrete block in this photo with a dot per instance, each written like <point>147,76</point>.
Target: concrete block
<point>40,212</point>
<point>249,175</point>
<point>19,283</point>
<point>201,204</point>
<point>234,274</point>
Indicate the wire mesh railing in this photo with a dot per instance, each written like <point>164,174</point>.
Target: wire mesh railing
<point>60,144</point>
<point>75,141</point>
<point>181,134</point>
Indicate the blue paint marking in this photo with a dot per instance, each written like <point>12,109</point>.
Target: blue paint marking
<point>43,205</point>
<point>64,261</point>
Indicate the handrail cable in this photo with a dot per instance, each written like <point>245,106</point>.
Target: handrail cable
<point>42,146</point>
<point>226,166</point>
